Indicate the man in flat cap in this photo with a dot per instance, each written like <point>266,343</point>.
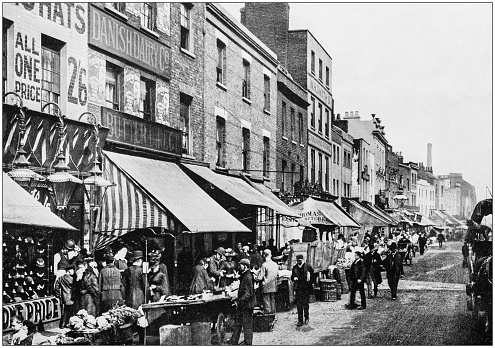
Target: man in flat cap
<point>245,304</point>
<point>302,276</point>
<point>214,271</point>
<point>358,277</point>
<point>393,265</point>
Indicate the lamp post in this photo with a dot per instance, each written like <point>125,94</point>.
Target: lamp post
<point>95,186</point>
<point>62,183</point>
<point>20,172</point>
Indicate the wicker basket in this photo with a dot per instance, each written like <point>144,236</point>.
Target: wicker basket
<point>124,333</point>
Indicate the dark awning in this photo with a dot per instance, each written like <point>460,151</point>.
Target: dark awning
<point>20,208</point>
<point>380,212</point>
<point>152,188</point>
<point>239,189</point>
<point>364,216</point>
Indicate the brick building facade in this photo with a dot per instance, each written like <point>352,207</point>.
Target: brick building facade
<point>240,79</point>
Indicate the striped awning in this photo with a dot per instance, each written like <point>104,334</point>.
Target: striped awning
<point>153,193</point>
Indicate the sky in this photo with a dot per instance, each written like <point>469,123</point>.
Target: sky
<point>425,69</point>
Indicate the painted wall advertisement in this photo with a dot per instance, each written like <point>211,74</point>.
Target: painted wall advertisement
<point>54,59</point>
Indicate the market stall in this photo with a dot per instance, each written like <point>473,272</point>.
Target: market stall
<point>31,234</point>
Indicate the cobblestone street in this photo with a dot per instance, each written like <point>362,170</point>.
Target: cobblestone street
<point>425,313</point>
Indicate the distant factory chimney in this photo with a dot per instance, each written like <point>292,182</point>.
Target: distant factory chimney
<point>429,158</point>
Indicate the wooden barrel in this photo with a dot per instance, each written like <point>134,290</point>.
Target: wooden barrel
<point>328,290</point>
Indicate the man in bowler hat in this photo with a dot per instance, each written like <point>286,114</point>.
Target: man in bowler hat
<point>302,275</point>
<point>358,278</point>
<point>245,304</point>
<point>393,265</point>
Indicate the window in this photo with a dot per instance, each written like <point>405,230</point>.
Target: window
<point>246,148</point>
<point>185,26</point>
<point>6,26</point>
<point>266,156</point>
<point>320,69</point>
<point>266,93</point>
<point>292,123</point>
<point>327,80</point>
<point>284,117</point>
<point>313,163</point>
<point>334,190</point>
<point>301,173</point>
<point>409,183</point>
<point>313,62</point>
<point>300,128</point>
<point>338,155</point>
<point>334,153</point>
<point>284,169</point>
<point>119,6</point>
<point>441,187</point>
<point>147,16</point>
<point>112,86</point>
<point>293,170</point>
<point>327,172</point>
<point>338,188</point>
<point>320,168</point>
<point>221,62</point>
<point>246,80</point>
<point>184,113</point>
<point>313,112</point>
<point>146,109</point>
<point>50,67</point>
<point>327,123</point>
<point>320,119</point>
<point>221,142</point>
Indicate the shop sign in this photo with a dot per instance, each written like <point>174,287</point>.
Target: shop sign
<point>316,217</point>
<point>124,41</point>
<point>132,130</point>
<point>317,89</point>
<point>319,143</point>
<point>41,310</point>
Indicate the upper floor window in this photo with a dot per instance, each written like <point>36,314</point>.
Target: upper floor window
<point>327,80</point>
<point>246,148</point>
<point>221,142</point>
<point>221,62</point>
<point>266,156</point>
<point>185,26</point>
<point>327,123</point>
<point>313,163</point>
<point>313,62</point>
<point>320,119</point>
<point>312,121</point>
<point>327,172</point>
<point>266,92</point>
<point>284,118</point>
<point>292,123</point>
<point>300,128</point>
<point>50,72</point>
<point>147,16</point>
<point>246,79</point>
<point>334,153</point>
<point>147,95</point>
<point>284,170</point>
<point>119,6</point>
<point>112,86</point>
<point>338,155</point>
<point>184,113</point>
<point>320,69</point>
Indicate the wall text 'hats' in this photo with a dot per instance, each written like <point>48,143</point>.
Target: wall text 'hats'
<point>245,262</point>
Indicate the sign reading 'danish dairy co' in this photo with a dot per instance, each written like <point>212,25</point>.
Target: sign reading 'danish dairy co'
<point>127,42</point>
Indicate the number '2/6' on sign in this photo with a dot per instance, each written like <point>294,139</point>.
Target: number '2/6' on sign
<point>82,90</point>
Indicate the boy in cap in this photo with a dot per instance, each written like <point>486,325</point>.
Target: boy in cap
<point>245,304</point>
<point>302,275</point>
<point>358,277</point>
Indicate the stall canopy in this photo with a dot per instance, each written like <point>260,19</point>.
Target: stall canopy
<point>365,216</point>
<point>425,221</point>
<point>441,218</point>
<point>20,208</point>
<point>240,190</point>
<point>148,191</point>
<point>322,212</point>
<point>391,221</point>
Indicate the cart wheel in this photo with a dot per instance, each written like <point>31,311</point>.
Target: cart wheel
<point>220,327</point>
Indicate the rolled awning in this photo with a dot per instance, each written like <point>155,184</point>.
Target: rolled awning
<point>20,208</point>
<point>240,190</point>
<point>149,193</point>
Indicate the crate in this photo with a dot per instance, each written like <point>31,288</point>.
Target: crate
<point>263,322</point>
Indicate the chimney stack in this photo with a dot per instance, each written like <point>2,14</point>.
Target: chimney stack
<point>429,156</point>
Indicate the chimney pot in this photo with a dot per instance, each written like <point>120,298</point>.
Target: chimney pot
<point>356,113</point>
<point>351,113</point>
<point>346,114</point>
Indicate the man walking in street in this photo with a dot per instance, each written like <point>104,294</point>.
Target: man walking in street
<point>268,278</point>
<point>245,304</point>
<point>358,277</point>
<point>393,265</point>
<point>302,275</point>
<point>422,242</point>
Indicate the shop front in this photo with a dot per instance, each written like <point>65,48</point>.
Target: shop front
<point>31,233</point>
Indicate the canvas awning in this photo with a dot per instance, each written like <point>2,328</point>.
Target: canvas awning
<point>148,193</point>
<point>425,221</point>
<point>391,221</point>
<point>364,216</point>
<point>240,190</point>
<point>321,212</point>
<point>20,208</point>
